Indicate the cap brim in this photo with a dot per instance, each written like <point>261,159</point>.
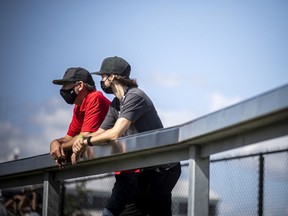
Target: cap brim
<point>97,73</point>
<point>60,82</point>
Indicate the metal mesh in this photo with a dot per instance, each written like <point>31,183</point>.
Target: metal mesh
<point>276,184</point>
<point>236,184</point>
<point>247,186</point>
<point>234,188</point>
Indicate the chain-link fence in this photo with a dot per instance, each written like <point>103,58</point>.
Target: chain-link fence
<point>251,185</point>
<point>247,185</point>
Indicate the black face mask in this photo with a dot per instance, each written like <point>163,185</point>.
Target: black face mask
<point>69,95</point>
<point>107,90</point>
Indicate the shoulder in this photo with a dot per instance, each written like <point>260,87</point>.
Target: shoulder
<point>136,92</point>
<point>96,95</point>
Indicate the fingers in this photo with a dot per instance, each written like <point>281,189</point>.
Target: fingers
<point>84,154</point>
<point>74,159</point>
<point>78,145</point>
<point>55,150</point>
<point>60,163</point>
<point>55,155</point>
<point>62,152</point>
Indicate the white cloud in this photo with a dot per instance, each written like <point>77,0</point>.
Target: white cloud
<point>176,117</point>
<point>58,118</point>
<point>51,121</point>
<point>219,101</point>
<point>10,137</point>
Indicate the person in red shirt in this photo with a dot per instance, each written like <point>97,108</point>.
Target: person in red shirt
<point>90,109</point>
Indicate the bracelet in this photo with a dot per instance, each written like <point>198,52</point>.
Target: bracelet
<point>89,141</point>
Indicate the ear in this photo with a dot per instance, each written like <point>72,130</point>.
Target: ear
<point>81,85</point>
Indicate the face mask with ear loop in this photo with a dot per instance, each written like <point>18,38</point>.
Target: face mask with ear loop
<point>107,90</point>
<point>69,95</point>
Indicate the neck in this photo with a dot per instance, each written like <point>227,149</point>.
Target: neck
<point>82,94</point>
<point>120,91</point>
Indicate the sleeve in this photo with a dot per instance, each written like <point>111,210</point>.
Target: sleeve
<point>94,115</point>
<point>111,117</point>
<point>75,125</point>
<point>134,107</point>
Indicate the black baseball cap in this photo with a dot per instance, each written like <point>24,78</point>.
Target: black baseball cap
<point>74,74</point>
<point>114,65</point>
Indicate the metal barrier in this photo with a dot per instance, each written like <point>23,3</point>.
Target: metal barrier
<point>258,119</point>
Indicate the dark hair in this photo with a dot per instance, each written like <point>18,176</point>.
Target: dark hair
<point>126,81</point>
<point>89,87</point>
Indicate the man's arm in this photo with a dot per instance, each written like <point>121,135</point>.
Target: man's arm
<point>67,145</point>
<point>102,136</point>
<point>121,125</point>
<point>56,148</point>
<point>61,146</point>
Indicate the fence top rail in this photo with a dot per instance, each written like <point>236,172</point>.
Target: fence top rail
<point>264,109</point>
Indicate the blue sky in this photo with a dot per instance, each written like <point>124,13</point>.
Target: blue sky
<point>191,57</point>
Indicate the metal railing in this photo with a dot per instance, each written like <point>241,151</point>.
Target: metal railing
<point>258,119</point>
<point>240,184</point>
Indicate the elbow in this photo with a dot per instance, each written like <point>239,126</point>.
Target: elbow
<point>115,135</point>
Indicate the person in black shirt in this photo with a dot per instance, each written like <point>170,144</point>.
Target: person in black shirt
<point>148,190</point>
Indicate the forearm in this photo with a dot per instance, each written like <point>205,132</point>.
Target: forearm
<point>102,137</point>
<point>69,142</point>
<point>112,134</point>
<point>66,146</point>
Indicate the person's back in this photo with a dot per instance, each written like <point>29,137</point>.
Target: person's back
<point>138,108</point>
<point>131,112</point>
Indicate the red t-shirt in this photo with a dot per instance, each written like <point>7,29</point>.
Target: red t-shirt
<point>89,115</point>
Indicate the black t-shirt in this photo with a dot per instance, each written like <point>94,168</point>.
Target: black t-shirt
<point>137,107</point>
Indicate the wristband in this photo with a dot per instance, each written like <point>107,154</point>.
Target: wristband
<point>89,141</point>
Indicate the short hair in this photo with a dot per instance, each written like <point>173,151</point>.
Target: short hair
<point>88,87</point>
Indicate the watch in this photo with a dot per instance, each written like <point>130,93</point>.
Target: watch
<point>89,141</point>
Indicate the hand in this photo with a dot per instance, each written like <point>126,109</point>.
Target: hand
<point>74,158</point>
<point>57,153</point>
<point>79,145</point>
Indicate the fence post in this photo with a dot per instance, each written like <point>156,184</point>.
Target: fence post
<point>51,192</point>
<point>198,196</point>
<point>261,185</point>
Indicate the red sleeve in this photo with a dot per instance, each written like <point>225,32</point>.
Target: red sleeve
<point>95,112</point>
<point>75,125</point>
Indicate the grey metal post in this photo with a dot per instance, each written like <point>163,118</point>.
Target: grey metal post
<point>198,198</point>
<point>51,191</point>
